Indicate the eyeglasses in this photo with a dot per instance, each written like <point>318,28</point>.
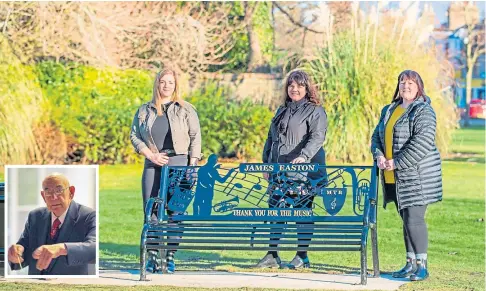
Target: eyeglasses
<point>58,191</point>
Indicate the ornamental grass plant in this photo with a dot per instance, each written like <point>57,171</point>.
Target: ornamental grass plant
<point>356,73</point>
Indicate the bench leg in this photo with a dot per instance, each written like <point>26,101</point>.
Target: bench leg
<point>363,265</point>
<point>143,262</point>
<point>374,246</point>
<point>163,256</point>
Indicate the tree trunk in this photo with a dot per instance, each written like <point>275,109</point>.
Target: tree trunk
<point>255,58</point>
<point>470,69</point>
<point>469,74</point>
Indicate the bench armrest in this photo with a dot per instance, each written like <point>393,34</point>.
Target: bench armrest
<point>149,207</point>
<point>373,211</point>
<point>366,213</point>
<point>373,197</point>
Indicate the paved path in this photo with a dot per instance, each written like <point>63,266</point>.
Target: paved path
<point>216,279</point>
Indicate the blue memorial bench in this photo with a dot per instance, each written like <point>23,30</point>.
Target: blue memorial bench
<point>228,209</point>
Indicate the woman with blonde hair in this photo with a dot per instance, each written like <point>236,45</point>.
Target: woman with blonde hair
<point>165,131</point>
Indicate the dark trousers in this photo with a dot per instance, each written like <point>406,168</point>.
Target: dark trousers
<point>151,185</point>
<point>286,199</point>
<point>415,233</point>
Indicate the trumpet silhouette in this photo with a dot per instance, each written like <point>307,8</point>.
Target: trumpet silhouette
<point>227,205</point>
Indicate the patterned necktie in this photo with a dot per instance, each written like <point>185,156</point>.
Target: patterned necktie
<point>55,228</point>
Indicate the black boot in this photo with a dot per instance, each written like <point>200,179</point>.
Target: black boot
<point>297,263</point>
<point>407,270</point>
<point>269,261</point>
<point>154,262</point>
<point>171,267</point>
<point>421,273</point>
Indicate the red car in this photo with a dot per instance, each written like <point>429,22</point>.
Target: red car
<point>477,108</point>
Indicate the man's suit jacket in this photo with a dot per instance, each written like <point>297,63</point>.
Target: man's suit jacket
<point>78,233</point>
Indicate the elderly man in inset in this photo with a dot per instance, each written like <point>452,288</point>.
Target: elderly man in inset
<point>59,239</point>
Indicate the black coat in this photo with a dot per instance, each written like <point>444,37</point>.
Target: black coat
<point>418,173</point>
<point>302,135</point>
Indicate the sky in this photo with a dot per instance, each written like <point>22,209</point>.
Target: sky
<point>439,7</point>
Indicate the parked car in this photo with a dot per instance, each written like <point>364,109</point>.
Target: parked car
<point>477,108</point>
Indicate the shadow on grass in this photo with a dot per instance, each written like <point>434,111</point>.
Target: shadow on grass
<point>126,257</point>
<point>479,159</point>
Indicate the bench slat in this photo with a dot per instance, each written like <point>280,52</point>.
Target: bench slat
<point>244,241</point>
<point>356,218</point>
<point>278,230</point>
<point>259,235</point>
<point>250,248</point>
<point>256,225</point>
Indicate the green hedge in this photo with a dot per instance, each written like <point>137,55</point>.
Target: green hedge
<point>95,108</point>
<point>230,128</point>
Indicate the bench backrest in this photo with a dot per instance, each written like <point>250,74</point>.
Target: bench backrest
<point>240,193</point>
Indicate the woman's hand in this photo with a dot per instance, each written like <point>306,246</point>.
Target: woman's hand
<point>266,176</point>
<point>381,161</point>
<point>193,162</point>
<point>298,160</point>
<point>160,159</point>
<point>390,165</point>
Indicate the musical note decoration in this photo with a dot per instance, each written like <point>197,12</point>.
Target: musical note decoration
<point>333,203</point>
<point>334,199</point>
<point>199,186</point>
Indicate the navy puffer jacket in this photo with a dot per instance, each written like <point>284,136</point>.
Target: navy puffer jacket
<point>418,173</point>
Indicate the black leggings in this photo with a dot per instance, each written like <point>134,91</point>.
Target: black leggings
<point>282,201</point>
<point>151,185</point>
<point>415,233</point>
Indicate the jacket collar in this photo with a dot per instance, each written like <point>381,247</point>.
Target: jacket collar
<point>152,104</point>
<point>393,105</point>
<point>291,105</point>
<point>296,104</point>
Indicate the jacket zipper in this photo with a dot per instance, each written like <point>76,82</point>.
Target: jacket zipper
<point>409,108</point>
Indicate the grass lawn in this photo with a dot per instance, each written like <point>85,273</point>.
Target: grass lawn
<point>456,231</point>
<point>469,141</point>
<point>456,235</point>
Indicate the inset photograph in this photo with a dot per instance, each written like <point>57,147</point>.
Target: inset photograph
<point>51,221</point>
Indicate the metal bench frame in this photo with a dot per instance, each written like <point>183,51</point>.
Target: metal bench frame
<point>231,232</point>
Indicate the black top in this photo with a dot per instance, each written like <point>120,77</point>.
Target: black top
<point>161,131</point>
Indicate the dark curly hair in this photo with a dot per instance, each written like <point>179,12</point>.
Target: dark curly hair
<point>415,77</point>
<point>303,79</point>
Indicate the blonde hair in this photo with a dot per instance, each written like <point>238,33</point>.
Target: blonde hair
<point>156,95</point>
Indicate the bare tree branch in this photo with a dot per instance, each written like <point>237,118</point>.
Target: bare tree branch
<point>146,35</point>
<point>295,22</point>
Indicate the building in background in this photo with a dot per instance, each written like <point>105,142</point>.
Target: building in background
<point>452,38</point>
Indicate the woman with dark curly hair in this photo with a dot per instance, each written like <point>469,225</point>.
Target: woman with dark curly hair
<point>297,133</point>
